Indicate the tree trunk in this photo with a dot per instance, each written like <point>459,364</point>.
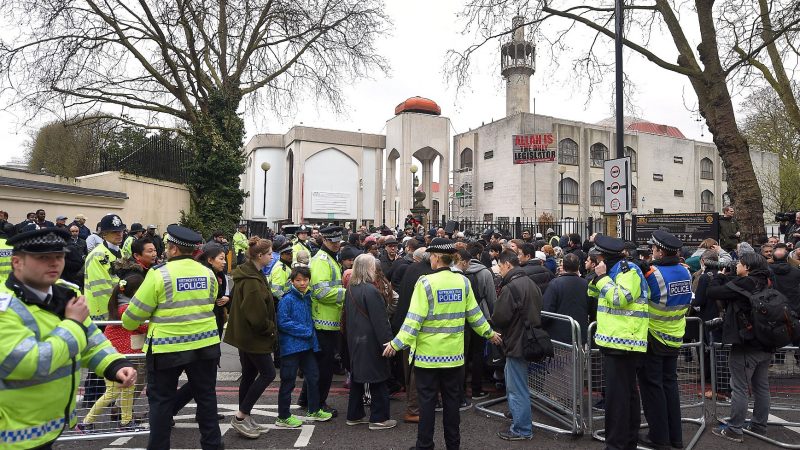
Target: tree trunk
<point>218,162</point>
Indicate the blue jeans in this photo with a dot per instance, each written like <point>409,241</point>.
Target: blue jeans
<point>519,399</point>
<point>289,365</point>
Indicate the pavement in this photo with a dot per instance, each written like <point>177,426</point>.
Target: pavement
<point>478,429</point>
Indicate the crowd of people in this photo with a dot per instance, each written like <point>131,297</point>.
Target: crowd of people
<point>443,317</point>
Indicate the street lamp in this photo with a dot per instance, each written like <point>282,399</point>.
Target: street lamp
<point>561,170</point>
<point>413,170</point>
<point>265,166</point>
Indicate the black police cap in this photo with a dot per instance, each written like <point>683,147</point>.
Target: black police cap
<point>183,236</point>
<point>665,240</point>
<point>609,245</point>
<point>441,245</point>
<point>332,233</point>
<point>111,222</point>
<point>40,240</point>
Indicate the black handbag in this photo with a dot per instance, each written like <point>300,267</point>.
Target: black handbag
<point>536,344</point>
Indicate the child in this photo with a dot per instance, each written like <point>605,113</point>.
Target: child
<point>298,342</point>
<point>122,340</point>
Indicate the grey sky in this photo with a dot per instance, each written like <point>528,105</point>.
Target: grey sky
<point>423,32</point>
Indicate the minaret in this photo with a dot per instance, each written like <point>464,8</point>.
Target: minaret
<point>517,65</point>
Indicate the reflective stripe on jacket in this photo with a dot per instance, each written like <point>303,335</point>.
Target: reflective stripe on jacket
<point>5,260</point>
<point>327,292</point>
<point>98,283</point>
<point>622,316</point>
<point>670,299</point>
<point>279,282</point>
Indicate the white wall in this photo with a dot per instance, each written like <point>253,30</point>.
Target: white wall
<point>330,171</point>
<point>277,180</point>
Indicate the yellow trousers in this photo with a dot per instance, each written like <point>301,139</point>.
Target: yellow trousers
<point>114,391</point>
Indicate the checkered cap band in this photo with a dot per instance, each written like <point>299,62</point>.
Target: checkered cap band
<point>333,236</point>
<point>41,240</point>
<point>179,242</point>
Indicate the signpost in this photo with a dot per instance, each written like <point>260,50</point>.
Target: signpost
<point>533,148</point>
<point>616,177</point>
<point>691,228</point>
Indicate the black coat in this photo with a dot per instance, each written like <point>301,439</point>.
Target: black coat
<point>539,274</point>
<point>519,300</point>
<point>399,269</point>
<point>74,261</point>
<point>719,289</point>
<point>786,280</point>
<point>367,326</point>
<point>413,272</point>
<point>566,295</point>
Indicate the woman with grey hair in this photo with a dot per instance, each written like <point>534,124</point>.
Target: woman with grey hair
<point>366,325</point>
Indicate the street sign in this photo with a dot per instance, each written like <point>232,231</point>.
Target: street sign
<point>616,178</point>
<point>691,228</point>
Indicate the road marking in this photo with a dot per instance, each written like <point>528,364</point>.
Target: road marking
<point>122,441</point>
<point>776,419</point>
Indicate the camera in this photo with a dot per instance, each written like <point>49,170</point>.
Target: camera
<point>714,323</point>
<point>785,216</point>
<point>721,265</point>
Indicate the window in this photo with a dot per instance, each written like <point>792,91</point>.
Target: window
<point>658,177</point>
<point>634,200</point>
<point>488,217</point>
<point>435,208</point>
<point>677,159</point>
<point>658,210</point>
<point>598,153</point>
<point>464,195</point>
<point>488,154</point>
<point>726,199</point>
<point>677,193</point>
<point>568,191</point>
<point>632,154</point>
<point>466,158</point>
<point>488,186</point>
<point>706,169</point>
<point>598,190</point>
<point>707,201</point>
<point>568,152</point>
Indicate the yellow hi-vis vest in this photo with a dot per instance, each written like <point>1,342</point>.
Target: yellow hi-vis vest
<point>178,299</point>
<point>41,356</point>
<point>5,260</point>
<point>327,292</point>
<point>622,316</point>
<point>434,325</point>
<point>670,300</point>
<point>98,283</point>
<point>279,282</point>
<point>126,247</point>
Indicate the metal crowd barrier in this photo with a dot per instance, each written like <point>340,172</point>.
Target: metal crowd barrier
<point>555,385</point>
<point>691,383</point>
<point>784,388</point>
<point>108,419</point>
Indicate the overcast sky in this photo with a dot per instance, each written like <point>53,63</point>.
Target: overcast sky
<point>423,32</point>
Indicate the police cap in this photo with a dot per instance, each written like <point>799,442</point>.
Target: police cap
<point>286,247</point>
<point>332,233</point>
<point>303,229</point>
<point>665,240</point>
<point>183,236</point>
<point>111,222</point>
<point>41,240</point>
<point>609,245</point>
<point>442,245</point>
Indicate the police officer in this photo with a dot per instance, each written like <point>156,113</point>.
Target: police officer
<point>301,241</point>
<point>46,336</point>
<point>98,281</point>
<point>6,231</point>
<point>136,232</point>
<point>434,331</point>
<point>622,294</point>
<point>327,296</point>
<point>178,299</point>
<point>670,298</point>
<point>240,245</point>
<point>279,276</point>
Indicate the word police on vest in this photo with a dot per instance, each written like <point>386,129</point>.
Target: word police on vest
<point>680,287</point>
<point>192,283</point>
<point>449,295</point>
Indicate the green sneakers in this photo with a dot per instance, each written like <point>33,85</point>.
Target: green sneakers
<point>289,422</point>
<point>320,416</point>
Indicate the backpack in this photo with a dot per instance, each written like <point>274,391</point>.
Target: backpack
<point>536,342</point>
<point>771,322</point>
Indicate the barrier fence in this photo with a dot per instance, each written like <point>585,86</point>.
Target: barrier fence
<point>109,418</point>
<point>784,388</point>
<point>691,384</point>
<point>555,385</point>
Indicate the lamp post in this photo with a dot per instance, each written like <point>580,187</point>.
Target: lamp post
<point>561,170</point>
<point>265,166</point>
<point>413,170</point>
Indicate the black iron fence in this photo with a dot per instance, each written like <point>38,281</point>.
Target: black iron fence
<point>161,158</point>
<point>514,227</point>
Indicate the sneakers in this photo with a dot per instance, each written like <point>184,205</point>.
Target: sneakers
<point>725,432</point>
<point>289,422</point>
<point>465,405</point>
<point>509,436</point>
<point>755,429</point>
<point>361,421</point>
<point>385,425</point>
<point>320,416</point>
<point>332,411</point>
<point>245,428</point>
<point>261,428</point>
<point>478,395</point>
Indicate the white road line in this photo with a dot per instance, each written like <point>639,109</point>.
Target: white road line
<point>305,436</point>
<point>776,419</point>
<point>122,441</point>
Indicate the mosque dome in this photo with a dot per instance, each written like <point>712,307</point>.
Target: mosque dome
<point>419,105</point>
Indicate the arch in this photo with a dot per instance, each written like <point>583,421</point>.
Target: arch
<point>426,153</point>
<point>598,193</point>
<point>568,152</point>
<point>568,191</point>
<point>706,169</point>
<point>634,198</point>
<point>465,159</point>
<point>634,158</point>
<point>598,153</point>
<point>707,201</point>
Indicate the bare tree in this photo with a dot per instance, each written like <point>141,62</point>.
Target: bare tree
<point>715,42</point>
<point>188,65</point>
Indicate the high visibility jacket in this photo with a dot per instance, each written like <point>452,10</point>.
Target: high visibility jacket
<point>126,247</point>
<point>41,356</point>
<point>178,299</point>
<point>5,260</point>
<point>327,292</point>
<point>240,244</point>
<point>300,245</point>
<point>98,282</point>
<point>279,281</point>
<point>622,316</point>
<point>554,241</point>
<point>434,325</point>
<point>670,299</point>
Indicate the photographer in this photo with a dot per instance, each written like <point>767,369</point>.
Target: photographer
<point>749,361</point>
<point>793,233</point>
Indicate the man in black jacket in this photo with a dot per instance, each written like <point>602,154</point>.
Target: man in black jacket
<point>785,277</point>
<point>520,301</point>
<point>74,259</point>
<point>574,247</point>
<point>749,361</point>
<point>566,295</point>
<point>534,267</point>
